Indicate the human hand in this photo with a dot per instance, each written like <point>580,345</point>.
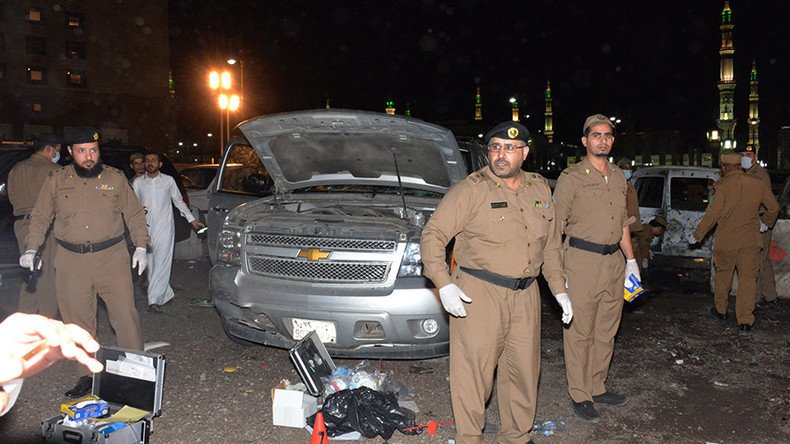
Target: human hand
<point>28,259</point>
<point>196,224</point>
<point>32,343</point>
<point>451,296</point>
<point>763,227</point>
<point>692,240</point>
<point>567,308</point>
<point>139,260</point>
<point>631,268</point>
<point>644,263</point>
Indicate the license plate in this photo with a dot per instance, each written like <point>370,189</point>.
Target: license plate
<point>326,330</point>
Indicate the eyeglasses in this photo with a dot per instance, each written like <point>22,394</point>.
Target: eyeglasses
<point>599,136</point>
<point>509,147</point>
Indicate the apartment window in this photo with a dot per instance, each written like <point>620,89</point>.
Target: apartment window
<point>37,75</point>
<point>75,50</point>
<point>36,45</point>
<point>75,79</point>
<point>73,20</point>
<point>33,15</point>
<point>36,107</point>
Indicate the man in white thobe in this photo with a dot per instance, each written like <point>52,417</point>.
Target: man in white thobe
<point>156,191</point>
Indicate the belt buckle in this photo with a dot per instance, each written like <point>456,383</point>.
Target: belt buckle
<point>521,284</point>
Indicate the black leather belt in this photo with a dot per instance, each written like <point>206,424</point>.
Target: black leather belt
<point>20,217</point>
<point>498,279</point>
<point>90,248</point>
<point>582,244</point>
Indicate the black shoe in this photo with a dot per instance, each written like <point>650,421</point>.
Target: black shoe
<point>745,330</point>
<point>763,305</point>
<point>715,313</point>
<point>81,388</point>
<point>586,411</point>
<point>155,308</point>
<point>610,398</point>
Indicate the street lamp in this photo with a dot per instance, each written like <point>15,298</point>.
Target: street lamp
<point>222,82</point>
<point>240,61</point>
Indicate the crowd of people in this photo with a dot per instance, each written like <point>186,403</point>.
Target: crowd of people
<point>586,238</point>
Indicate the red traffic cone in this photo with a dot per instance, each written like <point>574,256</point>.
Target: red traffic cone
<point>319,430</point>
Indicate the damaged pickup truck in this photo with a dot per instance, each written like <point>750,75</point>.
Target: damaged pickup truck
<point>334,243</point>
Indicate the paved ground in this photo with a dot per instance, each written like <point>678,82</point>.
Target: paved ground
<point>690,378</point>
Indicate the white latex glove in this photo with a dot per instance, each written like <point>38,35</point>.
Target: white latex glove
<point>644,263</point>
<point>692,240</point>
<point>631,268</point>
<point>763,227</point>
<point>26,260</point>
<point>139,260</point>
<point>567,308</point>
<point>451,296</point>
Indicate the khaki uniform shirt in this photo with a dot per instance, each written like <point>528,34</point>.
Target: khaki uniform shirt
<point>495,229</point>
<point>87,210</point>
<point>734,204</point>
<point>642,242</point>
<point>25,181</point>
<point>632,208</point>
<point>588,206</point>
<point>759,172</point>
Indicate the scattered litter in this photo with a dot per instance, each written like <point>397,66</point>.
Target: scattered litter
<point>411,405</point>
<point>201,303</point>
<point>432,426</point>
<point>547,427</point>
<point>720,384</point>
<point>420,370</point>
<point>350,436</point>
<point>679,361</point>
<point>152,345</point>
<point>230,369</point>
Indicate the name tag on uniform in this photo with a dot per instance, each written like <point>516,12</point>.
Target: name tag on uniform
<point>541,204</point>
<point>105,187</point>
<point>498,204</point>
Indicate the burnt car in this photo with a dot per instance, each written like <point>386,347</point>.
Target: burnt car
<point>334,244</point>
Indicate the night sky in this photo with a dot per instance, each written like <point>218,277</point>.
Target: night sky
<point>654,64</point>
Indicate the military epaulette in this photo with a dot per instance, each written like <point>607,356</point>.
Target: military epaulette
<point>572,168</point>
<point>536,176</point>
<point>475,178</point>
<point>58,170</point>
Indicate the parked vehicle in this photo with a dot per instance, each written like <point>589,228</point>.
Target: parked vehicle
<point>197,179</point>
<point>333,244</point>
<point>680,194</point>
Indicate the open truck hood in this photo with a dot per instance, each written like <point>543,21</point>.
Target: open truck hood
<point>344,147</point>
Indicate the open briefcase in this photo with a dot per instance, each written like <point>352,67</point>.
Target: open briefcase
<point>130,378</point>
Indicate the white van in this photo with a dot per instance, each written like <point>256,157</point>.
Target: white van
<point>680,194</point>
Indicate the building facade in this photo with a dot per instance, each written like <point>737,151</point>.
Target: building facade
<point>86,62</point>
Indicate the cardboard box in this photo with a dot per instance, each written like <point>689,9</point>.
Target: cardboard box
<point>291,407</point>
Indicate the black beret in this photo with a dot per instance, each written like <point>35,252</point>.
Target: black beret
<point>745,149</point>
<point>509,130</point>
<point>44,139</point>
<point>81,134</point>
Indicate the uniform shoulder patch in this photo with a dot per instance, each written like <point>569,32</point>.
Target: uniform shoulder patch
<point>475,178</point>
<point>537,177</point>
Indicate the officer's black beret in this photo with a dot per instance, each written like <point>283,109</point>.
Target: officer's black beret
<point>745,149</point>
<point>509,130</point>
<point>45,139</point>
<point>81,134</point>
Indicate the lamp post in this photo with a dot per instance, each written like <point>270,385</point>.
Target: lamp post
<point>240,61</point>
<point>222,83</point>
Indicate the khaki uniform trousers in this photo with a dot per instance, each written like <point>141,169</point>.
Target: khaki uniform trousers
<point>107,272</point>
<point>595,287</point>
<point>42,301</point>
<point>747,262</point>
<point>501,331</point>
<point>766,281</point>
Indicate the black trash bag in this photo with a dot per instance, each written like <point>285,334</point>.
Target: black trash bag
<point>369,412</point>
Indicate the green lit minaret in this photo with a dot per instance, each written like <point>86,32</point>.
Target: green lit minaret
<point>754,113</point>
<point>514,108</point>
<point>390,107</point>
<point>407,112</point>
<point>726,120</point>
<point>548,126</point>
<point>478,105</point>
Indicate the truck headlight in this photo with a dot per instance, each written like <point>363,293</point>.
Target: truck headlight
<point>229,244</point>
<point>411,264</point>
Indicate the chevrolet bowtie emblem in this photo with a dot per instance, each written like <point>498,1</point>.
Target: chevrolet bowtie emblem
<point>313,254</point>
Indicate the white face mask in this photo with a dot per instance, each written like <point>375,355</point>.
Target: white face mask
<point>628,174</point>
<point>746,162</point>
<point>57,156</point>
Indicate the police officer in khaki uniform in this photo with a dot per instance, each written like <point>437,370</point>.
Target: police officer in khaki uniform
<point>766,281</point>
<point>735,207</point>
<point>590,199</point>
<point>89,203</point>
<point>24,182</point>
<point>502,220</point>
<point>645,237</point>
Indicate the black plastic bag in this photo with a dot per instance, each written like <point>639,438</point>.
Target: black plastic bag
<point>369,412</point>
